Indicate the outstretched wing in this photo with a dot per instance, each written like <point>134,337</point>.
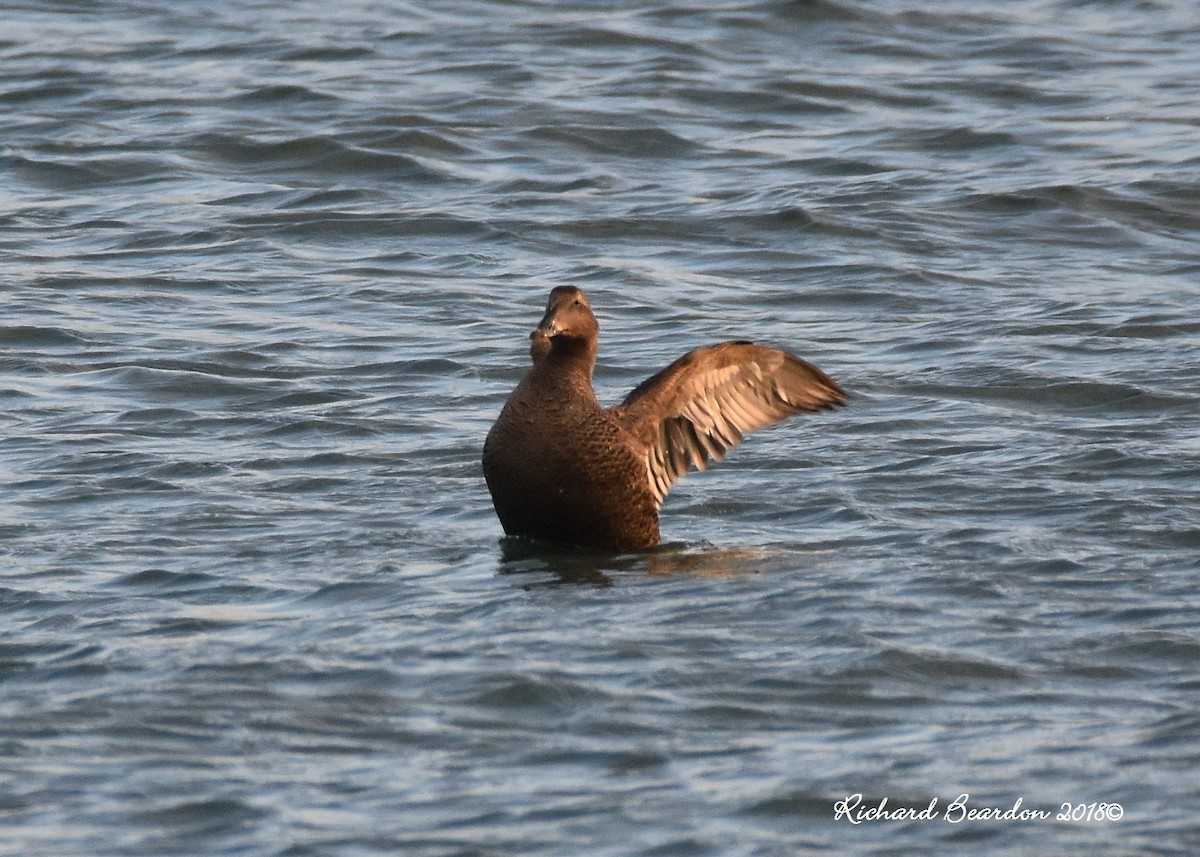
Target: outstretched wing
<point>703,404</point>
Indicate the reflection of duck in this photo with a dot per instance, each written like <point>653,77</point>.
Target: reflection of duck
<point>563,469</point>
<point>545,564</point>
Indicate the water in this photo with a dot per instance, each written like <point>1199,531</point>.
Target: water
<point>268,270</point>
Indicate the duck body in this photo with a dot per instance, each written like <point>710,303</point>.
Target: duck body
<point>561,468</point>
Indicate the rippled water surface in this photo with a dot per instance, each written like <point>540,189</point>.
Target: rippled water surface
<point>267,273</point>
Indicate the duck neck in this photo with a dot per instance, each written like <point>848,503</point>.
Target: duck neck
<point>574,358</point>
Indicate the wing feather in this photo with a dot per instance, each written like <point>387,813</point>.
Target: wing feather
<point>705,403</point>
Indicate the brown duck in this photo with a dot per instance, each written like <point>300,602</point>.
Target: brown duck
<point>563,469</point>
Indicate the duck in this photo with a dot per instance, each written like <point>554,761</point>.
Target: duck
<point>561,468</point>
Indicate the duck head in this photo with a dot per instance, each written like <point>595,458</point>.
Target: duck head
<point>568,323</point>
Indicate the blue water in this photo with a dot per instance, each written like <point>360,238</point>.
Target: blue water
<point>267,272</point>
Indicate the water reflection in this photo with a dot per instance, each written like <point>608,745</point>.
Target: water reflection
<point>569,564</point>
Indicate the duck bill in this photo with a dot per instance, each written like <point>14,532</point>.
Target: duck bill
<point>547,328</point>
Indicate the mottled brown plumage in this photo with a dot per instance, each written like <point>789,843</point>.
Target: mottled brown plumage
<point>561,468</point>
